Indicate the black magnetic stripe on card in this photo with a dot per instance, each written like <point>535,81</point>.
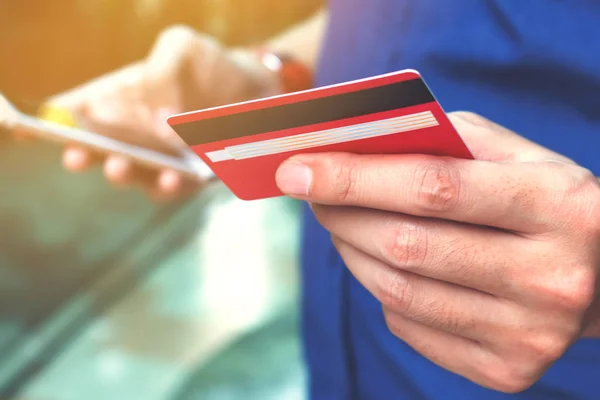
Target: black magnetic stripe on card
<point>309,112</point>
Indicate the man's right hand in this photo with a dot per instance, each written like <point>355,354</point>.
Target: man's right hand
<point>184,71</point>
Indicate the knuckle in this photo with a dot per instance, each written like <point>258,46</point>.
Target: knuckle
<point>506,379</point>
<point>574,291</point>
<point>183,42</point>
<point>530,360</point>
<point>590,200</point>
<point>583,202</point>
<point>472,118</point>
<point>582,289</point>
<point>394,292</point>
<point>438,186</point>
<point>509,376</point>
<point>345,174</point>
<point>176,34</point>
<point>407,245</point>
<point>542,349</point>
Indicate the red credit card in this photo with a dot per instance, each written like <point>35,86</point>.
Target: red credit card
<point>245,143</point>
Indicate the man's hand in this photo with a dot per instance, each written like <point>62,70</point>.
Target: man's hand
<point>184,71</point>
<point>489,268</point>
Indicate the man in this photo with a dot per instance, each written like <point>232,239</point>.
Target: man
<point>446,278</point>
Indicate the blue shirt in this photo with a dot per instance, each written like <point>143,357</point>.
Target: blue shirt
<point>530,65</point>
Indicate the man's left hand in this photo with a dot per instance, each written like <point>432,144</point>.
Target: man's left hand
<point>487,267</point>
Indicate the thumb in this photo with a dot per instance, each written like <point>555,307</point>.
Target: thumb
<point>489,141</point>
<point>170,67</point>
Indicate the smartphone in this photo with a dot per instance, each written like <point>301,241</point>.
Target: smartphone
<point>143,149</point>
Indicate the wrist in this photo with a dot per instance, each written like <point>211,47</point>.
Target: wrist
<point>261,81</point>
<point>292,74</point>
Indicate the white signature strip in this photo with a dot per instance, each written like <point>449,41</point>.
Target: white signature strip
<point>367,130</point>
<point>409,119</point>
<point>325,136</point>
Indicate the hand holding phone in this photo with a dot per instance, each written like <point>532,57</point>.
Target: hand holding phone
<point>145,150</point>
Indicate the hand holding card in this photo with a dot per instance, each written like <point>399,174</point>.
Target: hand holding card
<point>245,143</point>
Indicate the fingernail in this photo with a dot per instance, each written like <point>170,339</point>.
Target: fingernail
<point>294,178</point>
<point>116,169</point>
<point>74,158</point>
<point>169,181</point>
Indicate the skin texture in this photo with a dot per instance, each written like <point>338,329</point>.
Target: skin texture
<point>488,268</point>
<point>184,71</point>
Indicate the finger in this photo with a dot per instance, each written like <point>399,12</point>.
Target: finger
<point>176,51</point>
<point>76,159</point>
<point>122,171</point>
<point>171,186</point>
<point>121,111</point>
<point>21,135</point>
<point>502,195</point>
<point>456,354</point>
<point>440,305</point>
<point>161,186</point>
<point>465,255</point>
<point>489,141</point>
<point>119,171</point>
<point>170,52</point>
<point>170,182</point>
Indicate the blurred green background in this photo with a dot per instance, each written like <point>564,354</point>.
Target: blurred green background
<point>106,295</point>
